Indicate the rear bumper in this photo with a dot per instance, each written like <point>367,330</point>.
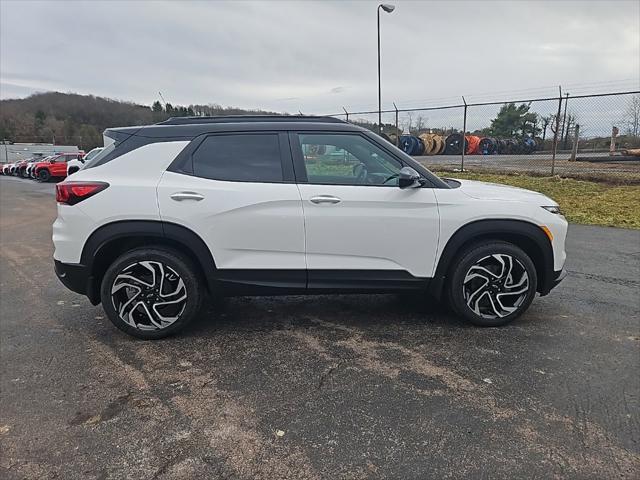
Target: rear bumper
<point>77,278</point>
<point>553,281</point>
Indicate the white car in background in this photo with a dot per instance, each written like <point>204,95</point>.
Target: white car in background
<point>74,165</point>
<point>30,171</point>
<point>6,168</point>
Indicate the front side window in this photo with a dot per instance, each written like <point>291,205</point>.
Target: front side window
<point>239,158</point>
<point>347,159</point>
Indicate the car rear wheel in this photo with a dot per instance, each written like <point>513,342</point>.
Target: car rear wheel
<point>151,293</point>
<point>44,175</point>
<point>492,284</point>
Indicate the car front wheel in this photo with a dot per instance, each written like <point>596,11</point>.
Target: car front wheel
<point>492,284</point>
<point>151,293</point>
<point>44,175</point>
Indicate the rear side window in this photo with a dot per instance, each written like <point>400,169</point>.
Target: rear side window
<point>239,158</point>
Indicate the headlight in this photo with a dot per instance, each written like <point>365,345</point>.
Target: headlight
<point>553,209</point>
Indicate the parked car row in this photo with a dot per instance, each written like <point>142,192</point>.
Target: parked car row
<point>56,166</point>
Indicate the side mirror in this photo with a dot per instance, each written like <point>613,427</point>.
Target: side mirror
<point>409,178</point>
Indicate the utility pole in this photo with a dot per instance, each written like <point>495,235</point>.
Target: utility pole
<point>163,100</point>
<point>564,119</point>
<point>387,8</point>
<point>612,145</point>
<point>555,134</point>
<point>574,150</point>
<point>397,131</point>
<point>464,132</point>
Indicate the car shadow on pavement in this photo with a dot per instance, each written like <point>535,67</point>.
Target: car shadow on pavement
<point>289,312</point>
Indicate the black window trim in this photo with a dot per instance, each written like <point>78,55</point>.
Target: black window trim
<point>300,166</point>
<point>183,163</point>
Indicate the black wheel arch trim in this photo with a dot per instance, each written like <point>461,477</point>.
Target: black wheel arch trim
<point>499,229</point>
<point>130,229</point>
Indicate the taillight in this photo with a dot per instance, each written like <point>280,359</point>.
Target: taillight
<point>71,193</point>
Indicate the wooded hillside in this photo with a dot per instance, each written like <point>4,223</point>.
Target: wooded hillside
<point>72,119</point>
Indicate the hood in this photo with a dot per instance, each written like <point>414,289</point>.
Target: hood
<point>496,191</point>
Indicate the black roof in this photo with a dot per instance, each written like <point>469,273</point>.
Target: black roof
<point>189,127</point>
<point>249,118</point>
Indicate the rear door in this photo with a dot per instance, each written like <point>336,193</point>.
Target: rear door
<point>237,192</point>
<point>359,223</point>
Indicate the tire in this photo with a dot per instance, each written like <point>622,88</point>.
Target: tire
<point>481,289</point>
<point>44,175</point>
<point>136,270</point>
<point>23,173</point>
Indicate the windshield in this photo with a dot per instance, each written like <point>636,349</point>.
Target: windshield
<point>92,153</point>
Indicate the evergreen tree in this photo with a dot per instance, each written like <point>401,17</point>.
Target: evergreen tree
<point>514,121</point>
<point>157,107</point>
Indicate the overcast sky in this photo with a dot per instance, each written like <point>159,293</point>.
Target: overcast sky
<point>317,56</point>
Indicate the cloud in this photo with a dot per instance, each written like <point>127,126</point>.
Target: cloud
<point>291,55</point>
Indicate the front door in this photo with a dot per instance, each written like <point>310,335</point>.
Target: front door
<point>358,222</point>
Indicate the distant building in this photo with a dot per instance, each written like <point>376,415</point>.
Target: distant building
<point>12,152</point>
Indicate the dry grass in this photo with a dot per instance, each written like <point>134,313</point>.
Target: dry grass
<point>582,201</point>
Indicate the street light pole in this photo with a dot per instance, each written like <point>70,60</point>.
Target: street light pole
<point>387,8</point>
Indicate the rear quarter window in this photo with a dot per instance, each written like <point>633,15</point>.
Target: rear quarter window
<point>239,158</point>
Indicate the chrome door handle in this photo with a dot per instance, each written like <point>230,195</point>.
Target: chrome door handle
<point>180,196</point>
<point>325,199</point>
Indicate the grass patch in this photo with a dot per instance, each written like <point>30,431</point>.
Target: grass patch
<point>583,202</point>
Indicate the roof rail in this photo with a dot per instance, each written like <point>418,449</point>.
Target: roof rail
<point>249,118</point>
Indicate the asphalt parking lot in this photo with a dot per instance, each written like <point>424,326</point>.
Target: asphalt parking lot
<point>318,387</point>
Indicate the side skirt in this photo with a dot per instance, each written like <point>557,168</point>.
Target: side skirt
<point>300,282</point>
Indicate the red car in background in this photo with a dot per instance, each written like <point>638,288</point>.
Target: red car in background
<point>56,166</point>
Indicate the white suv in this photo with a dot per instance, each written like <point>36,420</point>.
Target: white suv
<point>76,164</point>
<point>273,205</point>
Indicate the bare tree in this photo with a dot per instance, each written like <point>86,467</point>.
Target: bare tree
<point>571,122</point>
<point>545,123</point>
<point>632,116</point>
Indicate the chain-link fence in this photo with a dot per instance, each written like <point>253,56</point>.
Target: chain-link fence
<point>586,136</point>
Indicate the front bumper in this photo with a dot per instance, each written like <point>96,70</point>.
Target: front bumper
<point>553,281</point>
<point>78,278</point>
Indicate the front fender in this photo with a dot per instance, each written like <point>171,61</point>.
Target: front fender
<point>528,236</point>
